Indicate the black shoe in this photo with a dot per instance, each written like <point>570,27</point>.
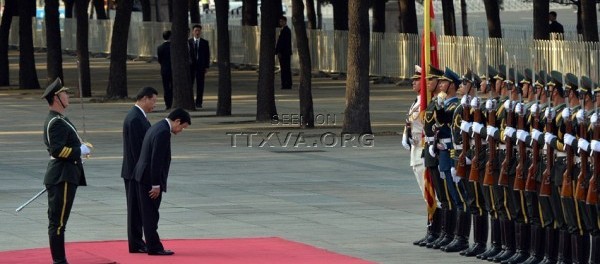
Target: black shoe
<point>164,252</point>
<point>199,106</point>
<point>139,250</point>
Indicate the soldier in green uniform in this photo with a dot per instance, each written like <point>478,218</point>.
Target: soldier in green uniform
<point>65,169</point>
<point>593,206</point>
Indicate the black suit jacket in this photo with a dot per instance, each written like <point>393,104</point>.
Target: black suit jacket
<point>153,166</point>
<point>164,57</point>
<point>200,59</point>
<point>134,129</point>
<point>284,42</point>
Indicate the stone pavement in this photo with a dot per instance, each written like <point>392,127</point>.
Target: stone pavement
<point>360,201</point>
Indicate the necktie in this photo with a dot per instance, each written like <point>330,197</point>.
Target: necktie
<point>197,48</point>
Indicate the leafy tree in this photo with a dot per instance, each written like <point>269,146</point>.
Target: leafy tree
<point>408,17</point>
<point>541,8</point>
<point>250,13</point>
<point>183,95</point>
<point>28,78</point>
<point>265,96</point>
<point>53,45</point>
<point>307,117</point>
<point>223,58</point>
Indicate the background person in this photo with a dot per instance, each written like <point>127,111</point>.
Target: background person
<point>200,61</point>
<point>164,59</point>
<point>283,49</point>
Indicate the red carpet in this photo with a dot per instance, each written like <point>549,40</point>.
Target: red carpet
<point>220,251</point>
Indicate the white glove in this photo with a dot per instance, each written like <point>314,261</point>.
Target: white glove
<point>569,139</point>
<point>405,141</point>
<point>580,116</point>
<point>566,113</point>
<point>85,150</point>
<point>519,108</point>
<point>477,127</point>
<point>595,145</point>
<point>507,104</point>
<point>594,118</point>
<point>550,113</point>
<point>535,134</point>
<point>475,102</point>
<point>490,130</point>
<point>455,178</point>
<point>468,161</point>
<point>534,108</point>
<point>509,132</point>
<point>489,104</point>
<point>465,100</point>
<point>431,151</point>
<point>583,144</point>
<point>522,135</point>
<point>441,97</point>
<point>548,137</point>
<point>465,126</point>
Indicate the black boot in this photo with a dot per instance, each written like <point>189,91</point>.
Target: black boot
<point>447,229</point>
<point>480,236</point>
<point>434,228</point>
<point>595,250</point>
<point>57,249</point>
<point>522,239</point>
<point>418,242</point>
<point>550,246</point>
<point>536,254</point>
<point>461,235</point>
<point>496,245</point>
<point>508,231</point>
<point>580,248</point>
<point>564,247</point>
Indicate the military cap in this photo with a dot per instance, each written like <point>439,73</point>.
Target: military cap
<point>556,81</point>
<point>417,74</point>
<point>526,77</point>
<point>512,77</point>
<point>54,88</point>
<point>450,75</point>
<point>471,76</point>
<point>434,72</point>
<point>540,79</point>
<point>491,72</point>
<point>501,73</point>
<point>571,83</point>
<point>586,86</point>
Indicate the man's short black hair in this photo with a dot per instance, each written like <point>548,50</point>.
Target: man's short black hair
<point>197,26</point>
<point>284,18</point>
<point>145,92</point>
<point>167,35</point>
<point>552,13</point>
<point>182,115</point>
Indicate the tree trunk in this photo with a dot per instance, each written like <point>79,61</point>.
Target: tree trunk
<point>492,12</point>
<point>307,116</point>
<point>83,54</point>
<point>183,95</point>
<point>54,52</point>
<point>588,19</point>
<point>249,13</point>
<point>265,96</point>
<point>379,16</point>
<point>117,76</point>
<point>340,14</point>
<point>408,17</point>
<point>310,13</point>
<point>146,10</point>
<point>27,73</point>
<point>157,10</point>
<point>194,11</point>
<point>356,116</point>
<point>449,18</point>
<point>10,9</point>
<point>319,14</point>
<point>463,16</point>
<point>541,8</point>
<point>223,58</point>
<point>100,11</point>
<point>69,8</point>
<point>170,7</point>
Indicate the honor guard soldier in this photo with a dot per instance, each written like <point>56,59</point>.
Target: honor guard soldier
<point>592,197</point>
<point>430,160</point>
<point>65,169</point>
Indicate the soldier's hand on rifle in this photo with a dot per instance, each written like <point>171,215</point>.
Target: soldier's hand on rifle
<point>439,103</point>
<point>569,139</point>
<point>595,146</point>
<point>594,118</point>
<point>489,104</point>
<point>536,134</point>
<point>468,161</point>
<point>477,127</point>
<point>583,145</point>
<point>431,150</point>
<point>580,116</point>
<point>550,113</point>
<point>405,142</point>
<point>455,177</point>
<point>509,132</point>
<point>465,126</point>
<point>491,130</point>
<point>522,135</point>
<point>534,108</point>
<point>566,113</point>
<point>464,101</point>
<point>507,104</point>
<point>519,108</point>
<point>548,137</point>
<point>475,102</point>
<point>85,150</point>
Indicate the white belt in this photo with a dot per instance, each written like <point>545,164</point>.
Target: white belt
<point>502,146</point>
<point>429,139</point>
<point>458,147</point>
<point>445,140</point>
<point>561,154</point>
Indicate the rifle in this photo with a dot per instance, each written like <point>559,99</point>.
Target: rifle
<point>581,189</point>
<point>503,179</point>
<point>567,183</point>
<point>531,184</point>
<point>461,167</point>
<point>592,195</point>
<point>546,188</point>
<point>488,178</point>
<point>474,173</point>
<point>519,184</point>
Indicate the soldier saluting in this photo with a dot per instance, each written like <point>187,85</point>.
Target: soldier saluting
<point>65,169</point>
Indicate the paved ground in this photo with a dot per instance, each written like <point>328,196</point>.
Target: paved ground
<point>359,201</point>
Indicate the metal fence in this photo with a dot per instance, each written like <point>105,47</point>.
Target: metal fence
<point>391,54</point>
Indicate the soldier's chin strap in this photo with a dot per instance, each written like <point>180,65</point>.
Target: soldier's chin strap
<point>60,101</point>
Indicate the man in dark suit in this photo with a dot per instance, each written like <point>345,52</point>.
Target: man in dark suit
<point>65,169</point>
<point>164,59</point>
<point>283,49</point>
<point>200,61</point>
<point>134,128</point>
<point>151,173</point>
